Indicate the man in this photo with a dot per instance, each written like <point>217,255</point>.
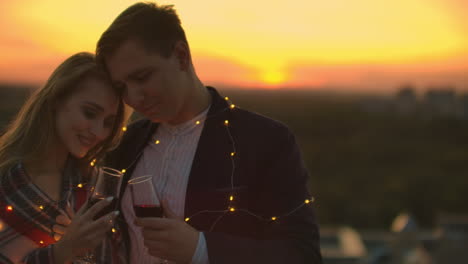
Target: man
<point>235,177</point>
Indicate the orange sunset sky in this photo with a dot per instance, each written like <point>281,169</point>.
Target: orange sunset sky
<point>374,45</point>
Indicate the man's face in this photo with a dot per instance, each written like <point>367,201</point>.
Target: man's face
<point>153,85</point>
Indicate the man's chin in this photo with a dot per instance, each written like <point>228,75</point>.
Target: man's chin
<point>156,119</point>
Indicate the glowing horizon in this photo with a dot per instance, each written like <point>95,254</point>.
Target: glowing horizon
<point>262,43</point>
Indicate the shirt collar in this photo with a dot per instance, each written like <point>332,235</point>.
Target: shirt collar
<point>187,126</point>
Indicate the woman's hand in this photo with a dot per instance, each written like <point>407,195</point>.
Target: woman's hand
<point>82,233</point>
<point>63,221</point>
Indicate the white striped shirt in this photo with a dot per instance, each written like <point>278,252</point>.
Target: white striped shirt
<point>169,162</point>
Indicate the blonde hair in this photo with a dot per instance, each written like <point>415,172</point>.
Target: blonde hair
<point>30,133</point>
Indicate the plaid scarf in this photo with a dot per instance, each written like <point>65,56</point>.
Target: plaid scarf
<point>27,215</point>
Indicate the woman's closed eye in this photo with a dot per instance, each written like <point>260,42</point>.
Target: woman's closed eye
<point>143,76</point>
<point>89,113</point>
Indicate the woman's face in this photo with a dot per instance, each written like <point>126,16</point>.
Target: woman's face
<point>86,117</point>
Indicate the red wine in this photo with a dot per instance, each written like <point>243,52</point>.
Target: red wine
<point>148,210</point>
<point>111,207</point>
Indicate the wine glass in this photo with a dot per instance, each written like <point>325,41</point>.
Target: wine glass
<point>145,199</point>
<point>108,182</point>
<point>107,185</point>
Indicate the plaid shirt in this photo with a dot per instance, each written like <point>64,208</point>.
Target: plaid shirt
<point>27,215</point>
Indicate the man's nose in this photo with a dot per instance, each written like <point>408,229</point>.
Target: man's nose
<point>135,96</point>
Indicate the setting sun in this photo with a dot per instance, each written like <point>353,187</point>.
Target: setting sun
<point>273,77</point>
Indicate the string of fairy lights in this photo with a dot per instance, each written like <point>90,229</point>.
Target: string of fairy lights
<point>232,196</point>
<point>230,199</point>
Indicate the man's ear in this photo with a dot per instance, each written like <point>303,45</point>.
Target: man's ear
<point>182,53</point>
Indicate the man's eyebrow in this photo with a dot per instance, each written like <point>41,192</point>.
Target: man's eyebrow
<point>131,75</point>
<point>98,107</point>
<point>137,71</point>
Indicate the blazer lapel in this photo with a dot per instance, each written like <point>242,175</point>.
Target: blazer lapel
<point>133,147</point>
<point>211,168</point>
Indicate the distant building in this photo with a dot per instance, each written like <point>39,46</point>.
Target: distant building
<point>377,104</point>
<point>441,102</point>
<point>452,242</point>
<point>453,226</point>
<point>406,101</point>
<point>342,246</point>
<point>404,222</point>
<point>463,106</point>
<point>407,246</point>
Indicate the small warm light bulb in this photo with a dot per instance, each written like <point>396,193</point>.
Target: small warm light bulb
<point>226,122</point>
<point>124,170</point>
<point>80,185</point>
<point>198,122</point>
<point>273,218</point>
<point>187,219</point>
<point>232,209</point>
<point>113,230</point>
<point>307,201</point>
<point>231,198</point>
<point>41,242</point>
<point>41,207</point>
<point>233,154</point>
<point>157,142</point>
<point>9,208</point>
<point>92,164</point>
<point>232,106</point>
<point>226,98</point>
<point>124,129</point>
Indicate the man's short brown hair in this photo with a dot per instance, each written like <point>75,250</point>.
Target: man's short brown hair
<point>157,28</point>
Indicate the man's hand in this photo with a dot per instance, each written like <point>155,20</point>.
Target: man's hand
<point>169,238</point>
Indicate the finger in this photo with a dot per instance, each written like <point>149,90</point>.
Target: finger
<point>155,235</point>
<point>97,207</point>
<point>69,210</point>
<point>97,230</point>
<point>83,208</point>
<point>156,245</point>
<point>57,237</point>
<point>103,223</point>
<point>58,229</point>
<point>63,220</point>
<point>157,249</point>
<point>156,223</point>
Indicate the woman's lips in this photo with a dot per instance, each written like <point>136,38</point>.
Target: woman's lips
<point>86,141</point>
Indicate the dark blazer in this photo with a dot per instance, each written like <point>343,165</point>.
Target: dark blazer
<point>269,181</point>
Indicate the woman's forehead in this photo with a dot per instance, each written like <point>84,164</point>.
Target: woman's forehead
<point>97,91</point>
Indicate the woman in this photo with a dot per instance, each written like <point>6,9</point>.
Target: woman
<point>45,155</point>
